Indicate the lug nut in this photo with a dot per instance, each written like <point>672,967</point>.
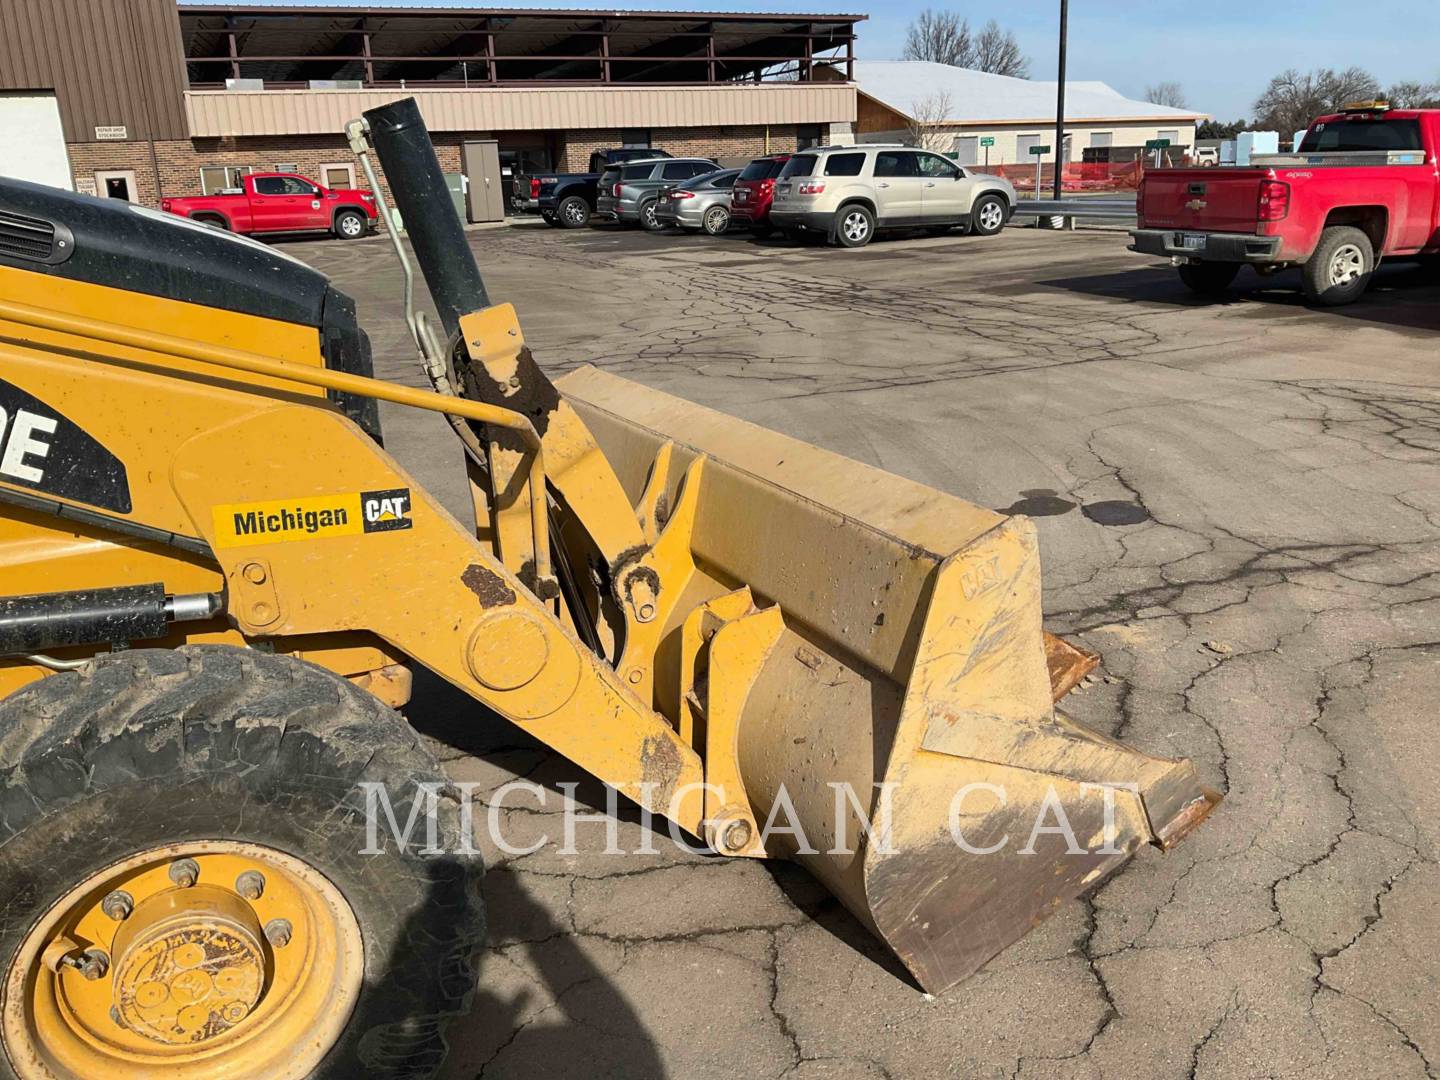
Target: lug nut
<point>250,884</point>
<point>118,905</point>
<point>277,932</point>
<point>185,872</point>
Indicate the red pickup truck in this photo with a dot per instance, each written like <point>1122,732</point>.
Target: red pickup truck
<point>282,202</point>
<point>1362,186</point>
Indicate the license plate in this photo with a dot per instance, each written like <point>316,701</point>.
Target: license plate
<point>1190,241</point>
<point>742,195</point>
<point>782,189</point>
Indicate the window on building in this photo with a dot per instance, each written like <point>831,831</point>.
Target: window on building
<point>1173,134</point>
<point>282,185</point>
<point>896,163</point>
<point>1102,138</point>
<point>1023,144</point>
<point>844,164</point>
<point>636,137</point>
<point>967,149</point>
<point>808,135</point>
<point>216,178</point>
<point>341,175</point>
<point>288,167</point>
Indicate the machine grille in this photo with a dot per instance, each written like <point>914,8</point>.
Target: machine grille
<point>26,237</point>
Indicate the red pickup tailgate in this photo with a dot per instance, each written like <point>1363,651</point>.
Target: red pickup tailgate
<point>1220,199</point>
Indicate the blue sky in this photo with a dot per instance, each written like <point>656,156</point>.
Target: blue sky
<point>1221,51</point>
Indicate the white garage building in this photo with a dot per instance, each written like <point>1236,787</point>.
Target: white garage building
<point>958,108</point>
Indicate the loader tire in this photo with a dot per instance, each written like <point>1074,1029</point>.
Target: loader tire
<point>115,773</point>
<point>1340,268</point>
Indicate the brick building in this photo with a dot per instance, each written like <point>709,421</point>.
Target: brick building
<point>165,100</point>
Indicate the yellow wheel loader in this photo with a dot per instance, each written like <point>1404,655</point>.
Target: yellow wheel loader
<point>213,580</point>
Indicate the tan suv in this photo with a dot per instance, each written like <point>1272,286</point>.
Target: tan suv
<point>847,192</point>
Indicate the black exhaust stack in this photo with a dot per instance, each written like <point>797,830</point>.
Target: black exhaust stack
<point>417,186</point>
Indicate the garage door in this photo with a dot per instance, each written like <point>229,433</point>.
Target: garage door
<point>32,142</point>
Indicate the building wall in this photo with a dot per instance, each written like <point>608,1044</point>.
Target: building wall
<point>1123,133</point>
<point>111,63</point>
<point>710,142</point>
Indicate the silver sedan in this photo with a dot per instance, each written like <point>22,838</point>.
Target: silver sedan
<point>701,204</point>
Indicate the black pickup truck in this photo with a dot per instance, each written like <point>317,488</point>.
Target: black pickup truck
<point>566,200</point>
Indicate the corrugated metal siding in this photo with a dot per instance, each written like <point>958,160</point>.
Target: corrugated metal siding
<point>110,63</point>
<point>310,112</point>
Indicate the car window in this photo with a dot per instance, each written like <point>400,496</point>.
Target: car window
<point>282,185</point>
<point>679,170</point>
<point>764,169</point>
<point>799,165</point>
<point>844,164</point>
<point>936,166</point>
<point>896,163</point>
<point>717,179</point>
<point>1336,135</point>
<point>636,172</point>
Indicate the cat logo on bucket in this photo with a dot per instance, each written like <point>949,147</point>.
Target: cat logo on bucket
<point>309,517</point>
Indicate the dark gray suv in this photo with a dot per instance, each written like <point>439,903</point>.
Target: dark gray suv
<point>628,192</point>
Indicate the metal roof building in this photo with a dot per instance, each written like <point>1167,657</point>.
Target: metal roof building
<point>957,107</point>
<point>143,99</point>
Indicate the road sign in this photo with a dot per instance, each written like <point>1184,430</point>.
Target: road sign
<point>1038,150</point>
<point>1157,144</point>
<point>987,140</point>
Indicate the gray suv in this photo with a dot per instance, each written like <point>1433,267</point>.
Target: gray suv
<point>629,192</point>
<point>847,192</point>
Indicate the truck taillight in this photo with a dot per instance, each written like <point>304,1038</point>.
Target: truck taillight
<point>1274,200</point>
<point>615,191</point>
<point>534,187</point>
<point>165,205</point>
<point>811,187</point>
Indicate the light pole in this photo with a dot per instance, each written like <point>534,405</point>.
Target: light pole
<point>1060,102</point>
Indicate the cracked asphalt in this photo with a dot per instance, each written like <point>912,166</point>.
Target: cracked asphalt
<point>1239,508</point>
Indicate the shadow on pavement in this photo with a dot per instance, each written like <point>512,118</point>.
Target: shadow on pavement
<point>1405,296</point>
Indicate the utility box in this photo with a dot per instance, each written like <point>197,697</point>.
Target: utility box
<point>1255,142</point>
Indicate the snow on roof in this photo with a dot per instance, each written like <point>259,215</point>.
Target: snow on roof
<point>978,97</point>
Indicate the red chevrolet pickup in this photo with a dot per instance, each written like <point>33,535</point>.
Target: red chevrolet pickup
<point>1363,185</point>
<point>282,202</point>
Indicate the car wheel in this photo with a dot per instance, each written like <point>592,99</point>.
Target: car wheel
<point>573,212</point>
<point>1340,269</point>
<point>716,220</point>
<point>648,220</point>
<point>215,221</point>
<point>350,225</point>
<point>1209,278</point>
<point>854,225</point>
<point>988,216</point>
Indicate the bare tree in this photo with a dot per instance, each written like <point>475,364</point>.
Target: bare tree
<point>1414,95</point>
<point>997,52</point>
<point>939,36</point>
<point>1171,94</point>
<point>926,114</point>
<point>1294,98</point>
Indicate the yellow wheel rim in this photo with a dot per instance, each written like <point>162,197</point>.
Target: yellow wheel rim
<point>212,960</point>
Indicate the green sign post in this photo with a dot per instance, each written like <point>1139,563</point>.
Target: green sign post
<point>987,141</point>
<point>1159,146</point>
<point>1038,151</point>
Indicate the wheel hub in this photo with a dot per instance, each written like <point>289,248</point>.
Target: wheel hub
<point>190,964</point>
<point>215,958</point>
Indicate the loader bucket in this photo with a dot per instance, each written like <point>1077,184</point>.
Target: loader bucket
<point>848,631</point>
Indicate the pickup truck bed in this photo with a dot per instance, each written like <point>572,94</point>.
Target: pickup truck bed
<point>1333,212</point>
